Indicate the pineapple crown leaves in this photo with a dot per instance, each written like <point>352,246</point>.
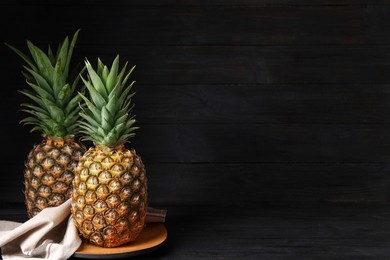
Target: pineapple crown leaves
<point>54,110</point>
<point>106,115</point>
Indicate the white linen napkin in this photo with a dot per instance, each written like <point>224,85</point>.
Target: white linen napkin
<point>49,235</point>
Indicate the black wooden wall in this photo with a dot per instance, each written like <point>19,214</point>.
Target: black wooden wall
<point>239,102</point>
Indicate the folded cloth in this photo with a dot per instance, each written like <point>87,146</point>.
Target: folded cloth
<point>49,235</point>
<point>155,215</point>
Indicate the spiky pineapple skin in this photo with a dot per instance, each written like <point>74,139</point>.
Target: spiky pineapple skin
<point>49,173</point>
<point>109,198</point>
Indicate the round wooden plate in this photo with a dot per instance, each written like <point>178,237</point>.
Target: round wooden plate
<point>152,237</point>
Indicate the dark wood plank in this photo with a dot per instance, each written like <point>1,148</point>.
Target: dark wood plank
<point>238,65</point>
<point>252,143</point>
<point>138,3</point>
<point>264,103</point>
<point>263,143</point>
<point>201,25</point>
<point>12,180</point>
<point>274,184</point>
<point>325,231</point>
<point>247,184</point>
<point>257,103</point>
<point>19,141</point>
<point>328,232</point>
<point>252,114</point>
<point>283,64</point>
<point>13,211</point>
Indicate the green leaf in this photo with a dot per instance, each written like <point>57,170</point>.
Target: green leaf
<point>111,78</point>
<point>100,67</point>
<point>97,99</point>
<point>116,91</point>
<point>129,123</point>
<point>58,50</point>
<point>96,81</point>
<point>106,120</point>
<point>126,94</point>
<point>51,127</point>
<point>104,76</point>
<point>112,106</point>
<point>125,138</point>
<point>70,52</point>
<point>127,76</point>
<point>41,92</point>
<point>129,130</point>
<point>58,78</point>
<point>24,57</point>
<point>40,116</point>
<point>28,76</point>
<point>101,132</point>
<point>37,128</point>
<point>113,126</point>
<point>90,120</point>
<point>70,122</point>
<point>91,107</point>
<point>120,127</point>
<point>126,109</point>
<point>63,55</point>
<point>121,119</point>
<point>72,105</point>
<point>40,80</point>
<point>76,80</point>
<point>36,108</point>
<point>87,131</point>
<point>111,138</point>
<point>43,62</point>
<point>30,121</point>
<point>64,96</point>
<point>57,114</point>
<point>51,56</point>
<point>34,98</point>
<point>73,129</point>
<point>71,118</point>
<point>73,114</point>
<point>122,73</point>
<point>125,81</point>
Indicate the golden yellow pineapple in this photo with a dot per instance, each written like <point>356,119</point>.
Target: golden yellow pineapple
<point>109,199</point>
<point>54,111</point>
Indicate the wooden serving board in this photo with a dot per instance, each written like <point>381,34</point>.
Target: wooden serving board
<point>152,237</point>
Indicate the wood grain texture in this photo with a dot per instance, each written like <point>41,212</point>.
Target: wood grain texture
<point>249,64</point>
<point>205,24</point>
<point>138,3</point>
<point>248,143</point>
<point>263,103</point>
<point>241,64</point>
<point>243,83</point>
<point>322,231</point>
<point>246,103</point>
<point>327,232</point>
<point>264,143</point>
<point>264,124</point>
<point>243,184</point>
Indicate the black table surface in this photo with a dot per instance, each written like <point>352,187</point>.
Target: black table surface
<point>318,231</point>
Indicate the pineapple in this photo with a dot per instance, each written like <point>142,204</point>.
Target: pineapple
<point>54,111</point>
<point>109,199</point>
